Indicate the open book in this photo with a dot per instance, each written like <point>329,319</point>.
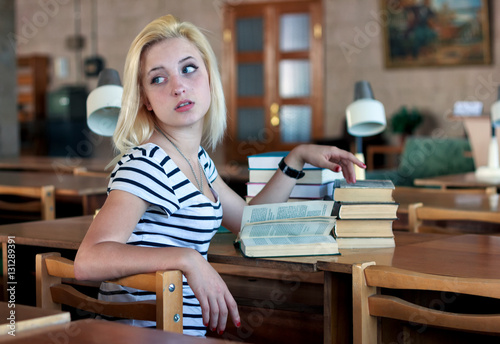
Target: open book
<point>288,229</point>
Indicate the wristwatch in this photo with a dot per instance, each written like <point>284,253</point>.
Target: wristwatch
<point>290,172</point>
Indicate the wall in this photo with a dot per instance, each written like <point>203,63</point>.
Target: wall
<point>433,90</point>
<point>359,24</point>
<point>9,127</point>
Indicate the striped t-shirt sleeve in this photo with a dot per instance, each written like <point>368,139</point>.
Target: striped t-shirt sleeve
<point>208,165</point>
<point>140,174</point>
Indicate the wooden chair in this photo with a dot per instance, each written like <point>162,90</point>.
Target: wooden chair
<point>369,304</point>
<point>29,200</point>
<point>82,171</point>
<point>453,221</point>
<point>51,293</point>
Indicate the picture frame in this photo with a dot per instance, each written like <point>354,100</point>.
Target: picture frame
<point>420,33</point>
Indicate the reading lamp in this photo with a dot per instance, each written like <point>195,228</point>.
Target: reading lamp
<point>365,117</point>
<point>104,102</point>
<point>492,171</point>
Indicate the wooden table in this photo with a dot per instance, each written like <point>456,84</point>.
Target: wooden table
<point>90,191</point>
<point>462,180</point>
<point>17,318</point>
<point>280,278</point>
<point>474,256</point>
<point>56,165</point>
<point>466,255</point>
<point>406,196</point>
<point>99,332</point>
<point>450,200</point>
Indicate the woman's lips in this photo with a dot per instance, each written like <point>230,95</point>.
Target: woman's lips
<point>184,105</point>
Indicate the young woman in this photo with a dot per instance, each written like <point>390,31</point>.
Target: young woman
<point>166,200</point>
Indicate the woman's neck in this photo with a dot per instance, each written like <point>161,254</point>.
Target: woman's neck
<point>182,143</point>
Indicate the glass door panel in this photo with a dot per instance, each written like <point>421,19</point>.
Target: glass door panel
<point>294,32</point>
<point>250,35</point>
<point>295,123</point>
<point>251,122</point>
<point>294,78</point>
<point>250,79</point>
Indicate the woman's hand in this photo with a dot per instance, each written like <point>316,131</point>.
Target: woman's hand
<point>216,301</point>
<point>330,157</point>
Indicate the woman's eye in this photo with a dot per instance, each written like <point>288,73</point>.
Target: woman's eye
<point>189,69</point>
<point>158,80</point>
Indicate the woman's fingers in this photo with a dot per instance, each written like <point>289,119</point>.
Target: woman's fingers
<point>233,309</point>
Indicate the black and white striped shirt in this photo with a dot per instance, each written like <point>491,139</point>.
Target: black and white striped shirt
<point>178,215</point>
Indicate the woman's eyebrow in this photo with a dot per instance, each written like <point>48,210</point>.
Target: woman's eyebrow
<point>154,69</point>
<point>161,67</point>
<point>185,59</point>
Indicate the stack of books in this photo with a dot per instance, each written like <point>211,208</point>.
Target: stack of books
<point>365,213</point>
<point>316,184</point>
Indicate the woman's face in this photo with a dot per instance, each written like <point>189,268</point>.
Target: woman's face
<point>175,83</point>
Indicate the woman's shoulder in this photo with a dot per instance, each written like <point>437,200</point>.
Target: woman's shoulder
<point>207,164</point>
<point>145,154</point>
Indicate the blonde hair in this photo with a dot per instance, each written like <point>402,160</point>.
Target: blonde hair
<point>135,123</point>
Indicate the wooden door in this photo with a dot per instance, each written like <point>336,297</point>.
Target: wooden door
<point>273,76</point>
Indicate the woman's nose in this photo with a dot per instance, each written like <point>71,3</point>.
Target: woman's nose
<point>178,86</point>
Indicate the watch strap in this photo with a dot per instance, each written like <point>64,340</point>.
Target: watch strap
<point>290,172</point>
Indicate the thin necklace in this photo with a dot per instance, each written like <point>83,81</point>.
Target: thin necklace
<point>198,182</point>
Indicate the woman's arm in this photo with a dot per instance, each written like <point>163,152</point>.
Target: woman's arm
<point>104,254</point>
<point>232,205</point>
<point>280,186</point>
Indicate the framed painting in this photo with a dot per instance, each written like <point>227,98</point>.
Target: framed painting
<point>436,32</point>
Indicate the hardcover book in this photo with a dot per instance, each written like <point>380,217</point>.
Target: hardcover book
<point>363,191</point>
<point>346,210</point>
<point>270,160</point>
<point>363,228</point>
<point>298,191</point>
<point>312,176</point>
<point>288,229</point>
<point>372,242</point>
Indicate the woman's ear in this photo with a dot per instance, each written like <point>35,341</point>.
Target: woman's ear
<point>147,104</point>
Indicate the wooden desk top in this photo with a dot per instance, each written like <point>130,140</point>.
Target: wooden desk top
<point>65,233</point>
<point>441,199</point>
<point>52,164</point>
<point>464,180</point>
<point>98,332</point>
<point>28,318</point>
<point>474,256</point>
<point>65,184</point>
<point>68,233</point>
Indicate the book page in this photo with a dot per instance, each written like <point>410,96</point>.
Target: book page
<point>288,240</point>
<point>289,228</point>
<point>286,210</point>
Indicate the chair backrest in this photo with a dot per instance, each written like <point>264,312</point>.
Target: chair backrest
<point>29,200</point>
<point>452,220</point>
<point>51,293</point>
<point>82,171</point>
<point>369,305</point>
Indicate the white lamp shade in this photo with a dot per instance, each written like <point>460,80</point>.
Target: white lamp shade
<point>103,108</point>
<point>365,117</point>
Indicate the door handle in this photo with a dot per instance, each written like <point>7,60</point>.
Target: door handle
<point>275,118</point>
